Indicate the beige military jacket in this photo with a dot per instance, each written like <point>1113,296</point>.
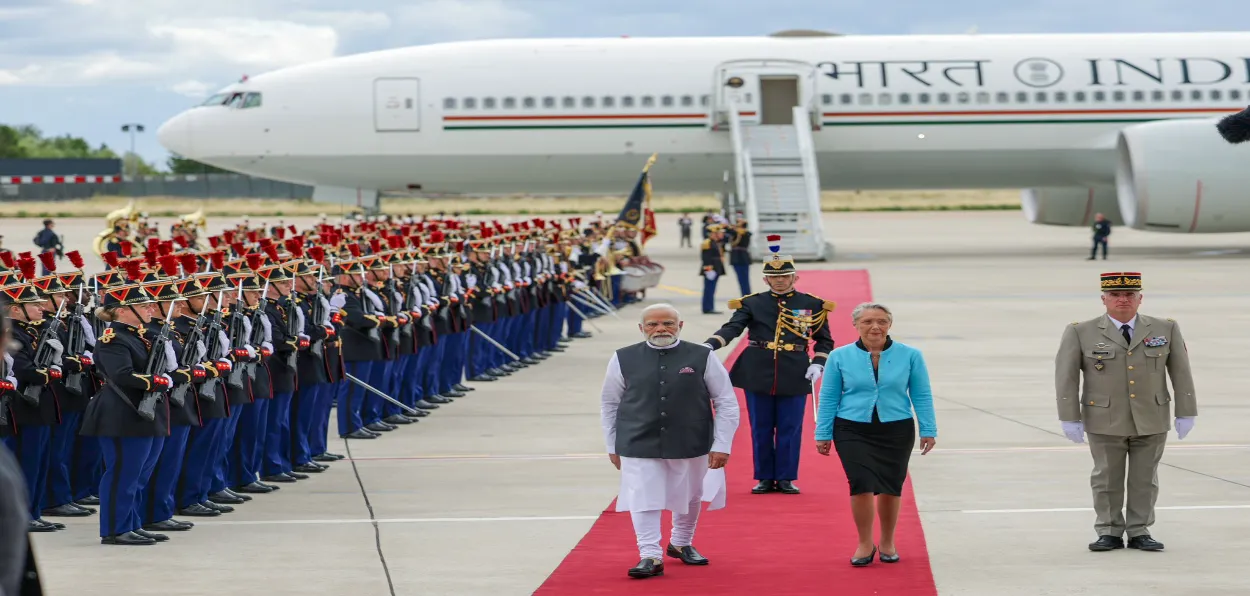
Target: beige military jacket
<point>1125,390</point>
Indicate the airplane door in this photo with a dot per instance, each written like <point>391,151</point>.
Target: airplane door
<point>741,88</point>
<point>396,105</point>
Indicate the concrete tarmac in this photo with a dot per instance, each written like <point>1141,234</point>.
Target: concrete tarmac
<point>489,494</point>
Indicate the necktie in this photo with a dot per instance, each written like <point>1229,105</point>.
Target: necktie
<point>1128,333</point>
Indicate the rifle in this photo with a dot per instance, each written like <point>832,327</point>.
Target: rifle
<point>317,312</point>
<point>208,390</point>
<point>6,395</point>
<point>156,367</point>
<point>189,358</point>
<point>76,344</point>
<point>236,337</point>
<point>258,328</point>
<point>44,354</point>
<point>393,307</point>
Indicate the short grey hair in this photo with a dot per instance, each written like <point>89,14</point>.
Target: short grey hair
<point>661,306</point>
<point>859,311</point>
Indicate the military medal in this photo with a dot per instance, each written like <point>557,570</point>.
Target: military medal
<point>1099,366</point>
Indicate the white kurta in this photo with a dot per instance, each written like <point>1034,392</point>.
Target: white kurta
<point>673,484</point>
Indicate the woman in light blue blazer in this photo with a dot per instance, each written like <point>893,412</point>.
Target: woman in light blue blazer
<point>869,391</point>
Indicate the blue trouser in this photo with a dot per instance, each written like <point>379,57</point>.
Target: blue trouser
<point>499,333</point>
<point>203,444</point>
<point>30,447</point>
<point>776,434</point>
<point>303,420</point>
<point>616,289</point>
<point>319,437</point>
<point>157,499</point>
<point>430,378</point>
<point>61,460</point>
<point>709,294</point>
<point>276,457</point>
<point>128,465</point>
<point>528,334</point>
<point>223,458</point>
<point>395,387</point>
<point>575,320</point>
<point>414,375</point>
<point>480,349</point>
<point>351,396</point>
<point>542,325</point>
<point>249,441</point>
<point>744,278</point>
<point>87,468</point>
<point>371,404</point>
<point>453,362</point>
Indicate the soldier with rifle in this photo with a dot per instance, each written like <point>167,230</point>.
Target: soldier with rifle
<point>378,306</point>
<point>288,338</point>
<point>131,362</point>
<point>423,299</point>
<point>330,315</point>
<point>311,378</point>
<point>227,488</point>
<point>362,345</point>
<point>249,439</point>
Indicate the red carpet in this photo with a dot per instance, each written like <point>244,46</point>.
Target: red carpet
<point>764,544</point>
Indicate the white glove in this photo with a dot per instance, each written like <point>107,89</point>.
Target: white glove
<point>171,361</point>
<point>1184,424</point>
<point>223,343</point>
<point>814,372</point>
<point>264,345</point>
<point>58,350</point>
<point>338,300</point>
<point>579,284</point>
<point>1075,431</point>
<point>13,381</point>
<point>201,350</point>
<point>710,275</point>
<point>251,352</point>
<point>88,333</point>
<point>225,364</point>
<point>303,336</point>
<point>88,355</point>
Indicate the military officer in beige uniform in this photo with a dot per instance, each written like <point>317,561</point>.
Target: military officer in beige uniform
<point>1124,406</point>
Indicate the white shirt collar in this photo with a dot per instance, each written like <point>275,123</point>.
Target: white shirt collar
<point>1132,325</point>
<point>655,347</point>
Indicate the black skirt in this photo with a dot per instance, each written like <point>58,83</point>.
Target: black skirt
<point>875,454</point>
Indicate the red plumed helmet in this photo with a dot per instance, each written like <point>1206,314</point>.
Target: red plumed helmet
<point>132,270</point>
<point>375,245</point>
<point>167,247</point>
<point>460,246</point>
<point>265,242</point>
<point>238,249</point>
<point>253,235</point>
<point>218,260</point>
<point>280,233</point>
<point>395,242</point>
<point>169,265</point>
<point>190,265</point>
<point>354,249</point>
<point>293,231</point>
<point>110,257</point>
<point>317,253</point>
<point>27,267</point>
<point>182,241</point>
<point>229,236</point>
<point>49,261</point>
<point>75,259</point>
<point>415,241</point>
<point>151,257</point>
<point>127,249</point>
<point>272,251</point>
<point>253,261</point>
<point>213,241</point>
<point>436,237</point>
<point>153,243</point>
<point>7,257</point>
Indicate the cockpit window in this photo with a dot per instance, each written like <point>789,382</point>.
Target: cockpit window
<point>235,100</point>
<point>252,100</point>
<point>216,100</point>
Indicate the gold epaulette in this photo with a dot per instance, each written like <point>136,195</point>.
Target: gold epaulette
<point>829,305</point>
<point>736,303</point>
<point>707,244</point>
<point>1171,319</point>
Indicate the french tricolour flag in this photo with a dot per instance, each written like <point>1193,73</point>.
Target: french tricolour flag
<point>774,242</point>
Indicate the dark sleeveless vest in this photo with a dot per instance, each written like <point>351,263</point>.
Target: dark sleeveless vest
<point>665,411</point>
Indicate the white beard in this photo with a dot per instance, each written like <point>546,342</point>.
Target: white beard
<point>662,342</point>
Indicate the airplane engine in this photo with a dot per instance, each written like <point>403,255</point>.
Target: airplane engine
<point>1069,206</point>
<point>1180,176</point>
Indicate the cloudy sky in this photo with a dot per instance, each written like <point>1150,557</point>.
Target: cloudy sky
<point>84,67</point>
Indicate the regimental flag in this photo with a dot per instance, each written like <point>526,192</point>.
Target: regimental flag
<point>637,213</point>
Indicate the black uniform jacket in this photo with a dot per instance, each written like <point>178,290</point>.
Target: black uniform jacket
<point>360,340</point>
<point>188,414</point>
<point>740,248</point>
<point>310,365</point>
<point>778,369</point>
<point>25,343</point>
<point>713,255</point>
<point>285,345</point>
<point>206,409</point>
<point>121,357</point>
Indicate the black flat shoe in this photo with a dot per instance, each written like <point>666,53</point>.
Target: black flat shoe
<point>278,478</point>
<point>310,469</point>
<point>152,536</point>
<point>865,560</point>
<point>36,525</point>
<point>765,486</point>
<point>217,507</point>
<point>324,458</point>
<point>687,554</point>
<point>254,488</point>
<point>199,510</point>
<point>1106,543</point>
<point>67,510</point>
<point>396,420</point>
<point>127,539</point>
<point>225,498</point>
<point>647,568</point>
<point>359,433</point>
<point>169,525</point>
<point>787,487</point>
<point>1144,542</point>
<point>89,501</point>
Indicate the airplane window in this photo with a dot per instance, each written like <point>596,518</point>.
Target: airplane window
<point>846,98</point>
<point>528,102</point>
<point>251,100</point>
<point>904,98</point>
<point>1216,95</point>
<point>648,101</point>
<point>826,99</point>
<point>1100,96</point>
<point>1196,95</point>
<point>549,102</point>
<point>1061,96</point>
<point>1040,96</point>
<point>609,101</point>
<point>1177,95</point>
<point>509,103</point>
<point>470,103</point>
<point>1156,95</point>
<point>1002,97</point>
<point>627,102</point>
<point>687,100</point>
<point>963,97</point>
<point>1139,95</point>
<point>588,102</point>
<point>488,103</point>
<point>1079,96</point>
<point>216,100</point>
<point>666,101</point>
<point>449,103</point>
<point>884,99</point>
<point>234,100</point>
<point>1234,94</point>
<point>923,97</point>
<point>865,98</point>
<point>568,102</point>
<point>983,97</point>
<point>944,98</point>
<point>1022,97</point>
<point>704,100</point>
<point>1117,96</point>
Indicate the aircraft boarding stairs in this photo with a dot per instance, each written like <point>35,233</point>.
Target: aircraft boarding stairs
<point>779,187</point>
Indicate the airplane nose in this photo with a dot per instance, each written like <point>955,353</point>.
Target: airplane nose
<point>176,135</point>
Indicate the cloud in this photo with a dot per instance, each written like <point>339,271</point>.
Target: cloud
<point>252,43</point>
<point>19,13</point>
<point>344,20</point>
<point>440,20</point>
<point>8,78</point>
<point>194,89</point>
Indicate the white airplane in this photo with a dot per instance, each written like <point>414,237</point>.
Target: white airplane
<point>1116,123</point>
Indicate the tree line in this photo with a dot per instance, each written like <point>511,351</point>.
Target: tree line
<point>28,142</point>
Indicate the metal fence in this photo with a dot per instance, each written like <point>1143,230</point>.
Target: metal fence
<point>199,186</point>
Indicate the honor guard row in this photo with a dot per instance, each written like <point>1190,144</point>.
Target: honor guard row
<point>185,378</point>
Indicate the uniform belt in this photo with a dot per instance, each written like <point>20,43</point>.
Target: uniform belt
<point>776,346</point>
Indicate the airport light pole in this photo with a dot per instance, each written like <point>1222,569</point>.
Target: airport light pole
<point>133,129</point>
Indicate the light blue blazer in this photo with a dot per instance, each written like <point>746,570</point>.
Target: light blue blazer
<point>849,390</point>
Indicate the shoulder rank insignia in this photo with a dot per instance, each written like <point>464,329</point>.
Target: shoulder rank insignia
<point>707,244</point>
<point>735,303</point>
<point>829,305</point>
<point>108,336</point>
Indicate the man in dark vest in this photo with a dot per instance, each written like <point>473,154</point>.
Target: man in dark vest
<point>669,414</point>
